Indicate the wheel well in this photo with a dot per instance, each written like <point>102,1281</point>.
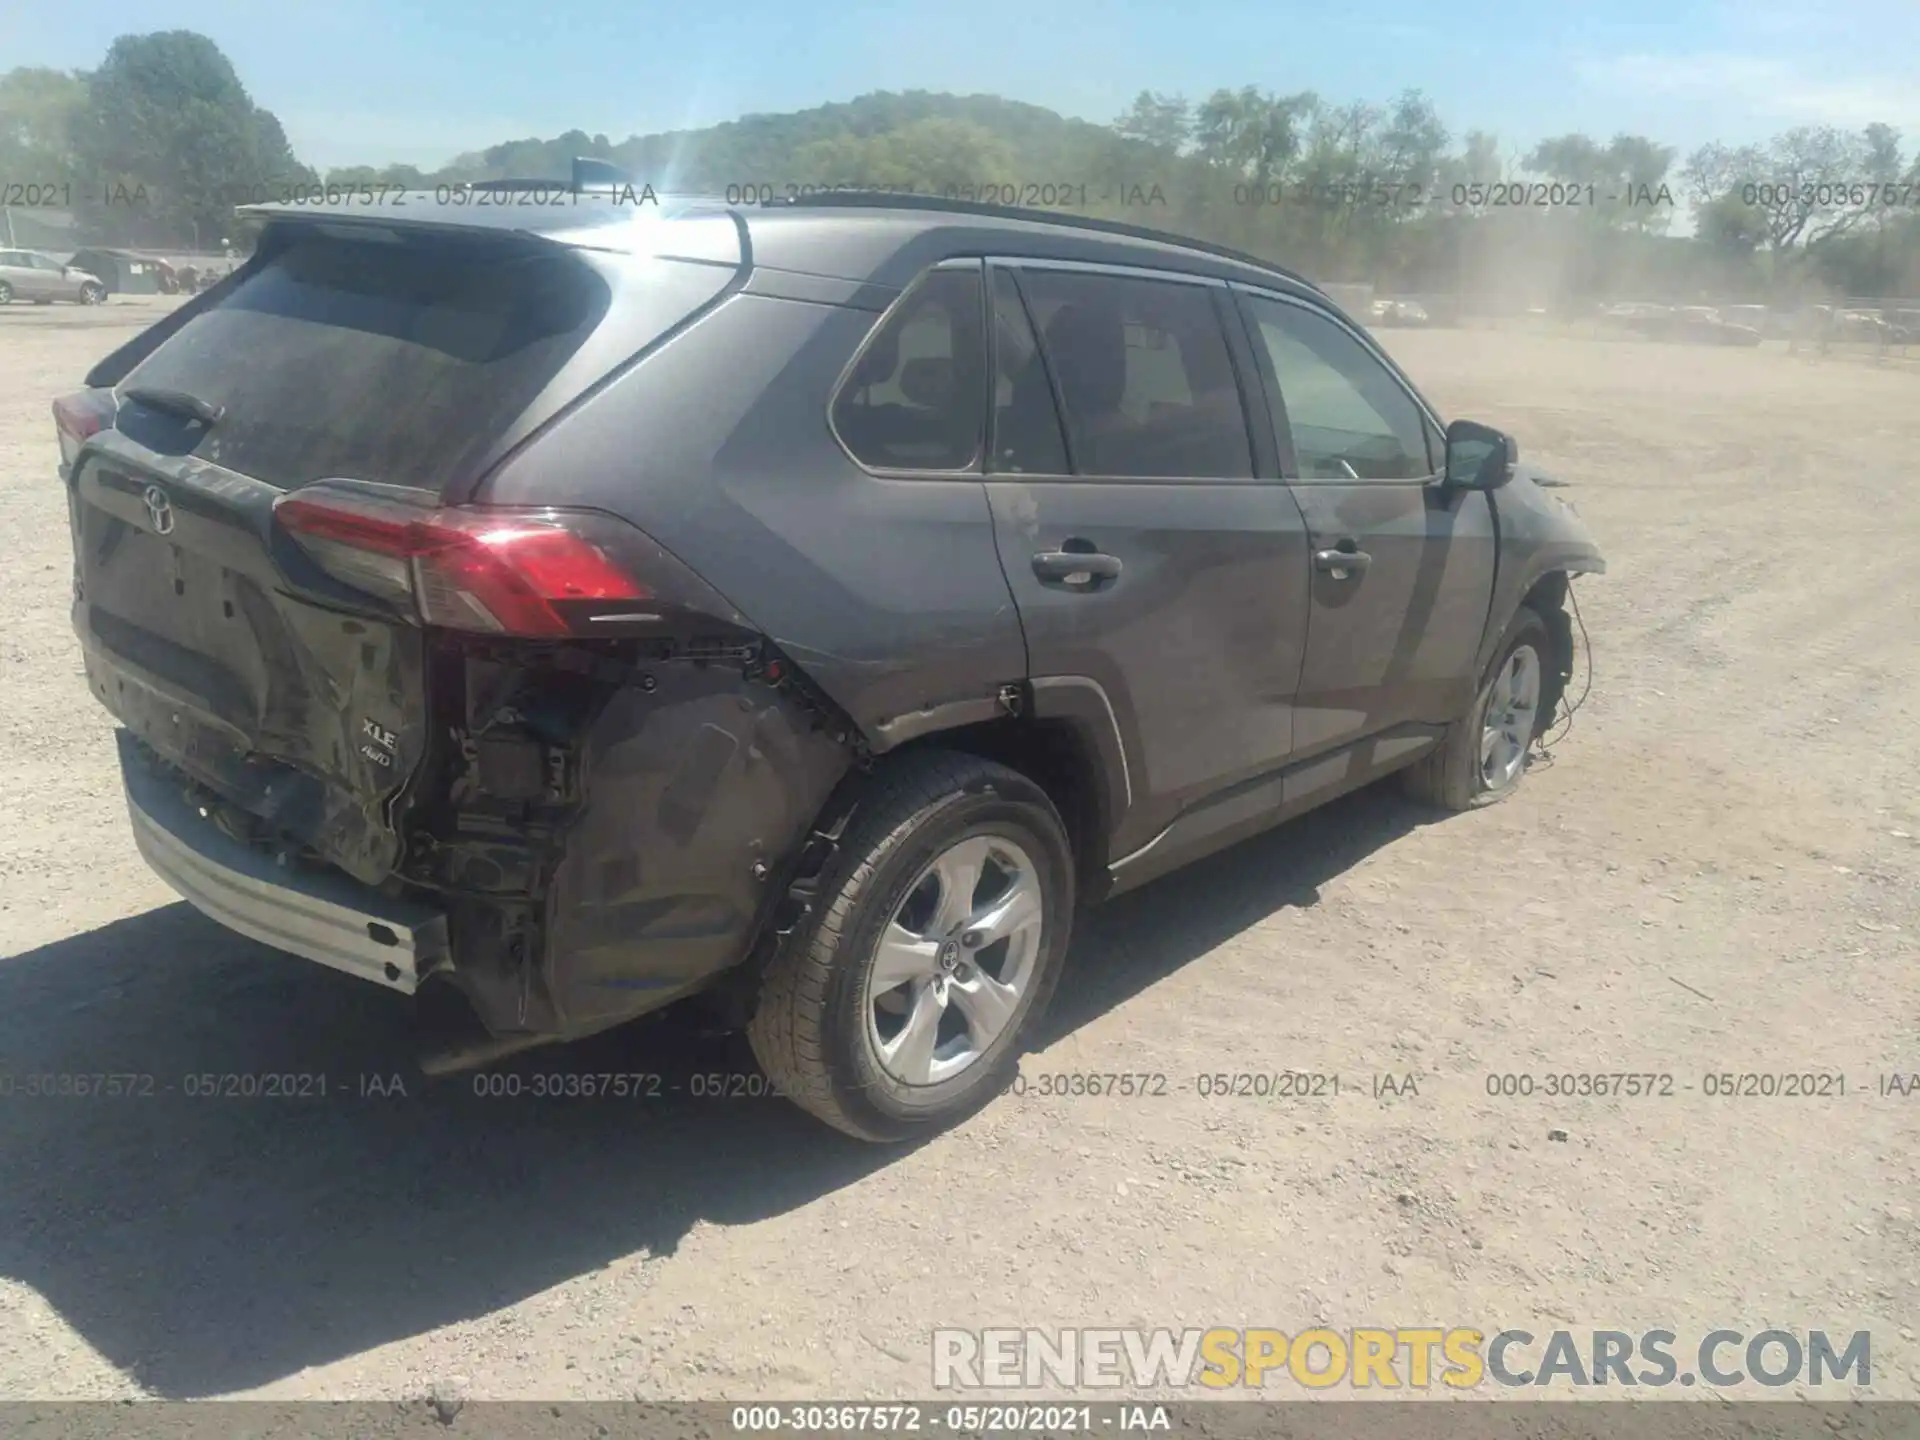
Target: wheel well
<point>1056,757</point>
<point>1547,599</point>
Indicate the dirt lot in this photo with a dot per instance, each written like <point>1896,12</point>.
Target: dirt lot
<point>1716,871</point>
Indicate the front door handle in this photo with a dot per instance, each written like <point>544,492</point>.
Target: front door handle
<point>1342,564</point>
<point>1075,567</point>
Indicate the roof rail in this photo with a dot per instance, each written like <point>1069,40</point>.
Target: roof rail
<point>888,200</point>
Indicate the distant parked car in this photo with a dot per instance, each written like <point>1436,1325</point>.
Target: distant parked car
<point>1399,312</point>
<point>30,275</point>
<point>1860,325</point>
<point>1704,325</point>
<point>1635,314</point>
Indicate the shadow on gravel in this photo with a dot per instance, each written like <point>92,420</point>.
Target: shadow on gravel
<point>212,1243</point>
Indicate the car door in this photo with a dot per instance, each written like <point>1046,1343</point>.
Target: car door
<point>39,276</point>
<point>52,278</point>
<point>18,272</point>
<point>1158,567</point>
<point>1402,565</point>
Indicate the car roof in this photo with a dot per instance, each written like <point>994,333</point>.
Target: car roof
<point>890,239</point>
<point>879,239</point>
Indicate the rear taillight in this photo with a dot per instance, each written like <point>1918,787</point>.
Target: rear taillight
<point>508,572</point>
<point>79,415</point>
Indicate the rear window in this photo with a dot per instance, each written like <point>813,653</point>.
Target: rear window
<point>401,363</point>
<point>915,398</point>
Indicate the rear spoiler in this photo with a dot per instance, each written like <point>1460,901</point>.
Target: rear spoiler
<point>588,174</point>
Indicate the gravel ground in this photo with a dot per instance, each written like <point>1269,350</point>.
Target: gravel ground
<point>1715,871</point>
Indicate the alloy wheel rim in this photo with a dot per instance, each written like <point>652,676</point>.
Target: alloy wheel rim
<point>955,960</point>
<point>1507,725</point>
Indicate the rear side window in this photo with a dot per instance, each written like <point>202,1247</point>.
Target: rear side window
<point>1144,374</point>
<point>915,399</point>
<point>398,363</point>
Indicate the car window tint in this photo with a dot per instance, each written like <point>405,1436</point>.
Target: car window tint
<point>1026,426</point>
<point>1350,418</point>
<point>915,398</point>
<point>1145,376</point>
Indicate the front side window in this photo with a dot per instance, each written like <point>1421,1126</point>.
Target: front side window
<point>1350,418</point>
<point>915,399</point>
<point>1145,376</point>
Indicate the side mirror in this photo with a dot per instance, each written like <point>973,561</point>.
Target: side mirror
<point>1479,457</point>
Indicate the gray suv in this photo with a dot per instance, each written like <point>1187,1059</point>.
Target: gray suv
<point>583,605</point>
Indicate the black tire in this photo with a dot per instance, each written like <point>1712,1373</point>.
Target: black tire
<point>6,293</point>
<point>811,1029</point>
<point>1449,775</point>
<point>92,294</point>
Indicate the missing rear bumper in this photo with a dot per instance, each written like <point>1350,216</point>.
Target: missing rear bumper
<point>324,916</point>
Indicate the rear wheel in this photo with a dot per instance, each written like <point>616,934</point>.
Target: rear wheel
<point>898,1006</point>
<point>1484,754</point>
<point>6,293</point>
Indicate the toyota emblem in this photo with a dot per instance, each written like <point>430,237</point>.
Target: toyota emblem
<point>159,510</point>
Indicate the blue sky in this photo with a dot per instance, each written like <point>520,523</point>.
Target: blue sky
<point>369,81</point>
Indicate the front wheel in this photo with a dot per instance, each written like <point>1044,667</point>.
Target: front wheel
<point>6,293</point>
<point>899,1004</point>
<point>1484,754</point>
<point>92,294</point>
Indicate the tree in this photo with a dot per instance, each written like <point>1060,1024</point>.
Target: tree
<point>932,154</point>
<point>1805,186</point>
<point>173,137</point>
<point>1250,132</point>
<point>37,107</point>
<point>1165,121</point>
<point>1626,174</point>
<point>1730,227</point>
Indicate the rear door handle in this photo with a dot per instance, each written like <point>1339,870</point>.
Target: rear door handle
<point>1075,567</point>
<point>1342,564</point>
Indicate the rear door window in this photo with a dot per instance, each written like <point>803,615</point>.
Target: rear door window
<point>1026,424</point>
<point>915,398</point>
<point>1145,376</point>
<point>399,363</point>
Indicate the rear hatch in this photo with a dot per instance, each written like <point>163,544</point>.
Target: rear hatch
<point>266,504</point>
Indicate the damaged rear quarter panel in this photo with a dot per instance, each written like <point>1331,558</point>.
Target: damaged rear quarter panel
<point>615,819</point>
<point>694,795</point>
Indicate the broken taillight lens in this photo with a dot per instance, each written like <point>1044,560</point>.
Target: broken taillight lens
<point>505,572</point>
<point>80,415</point>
